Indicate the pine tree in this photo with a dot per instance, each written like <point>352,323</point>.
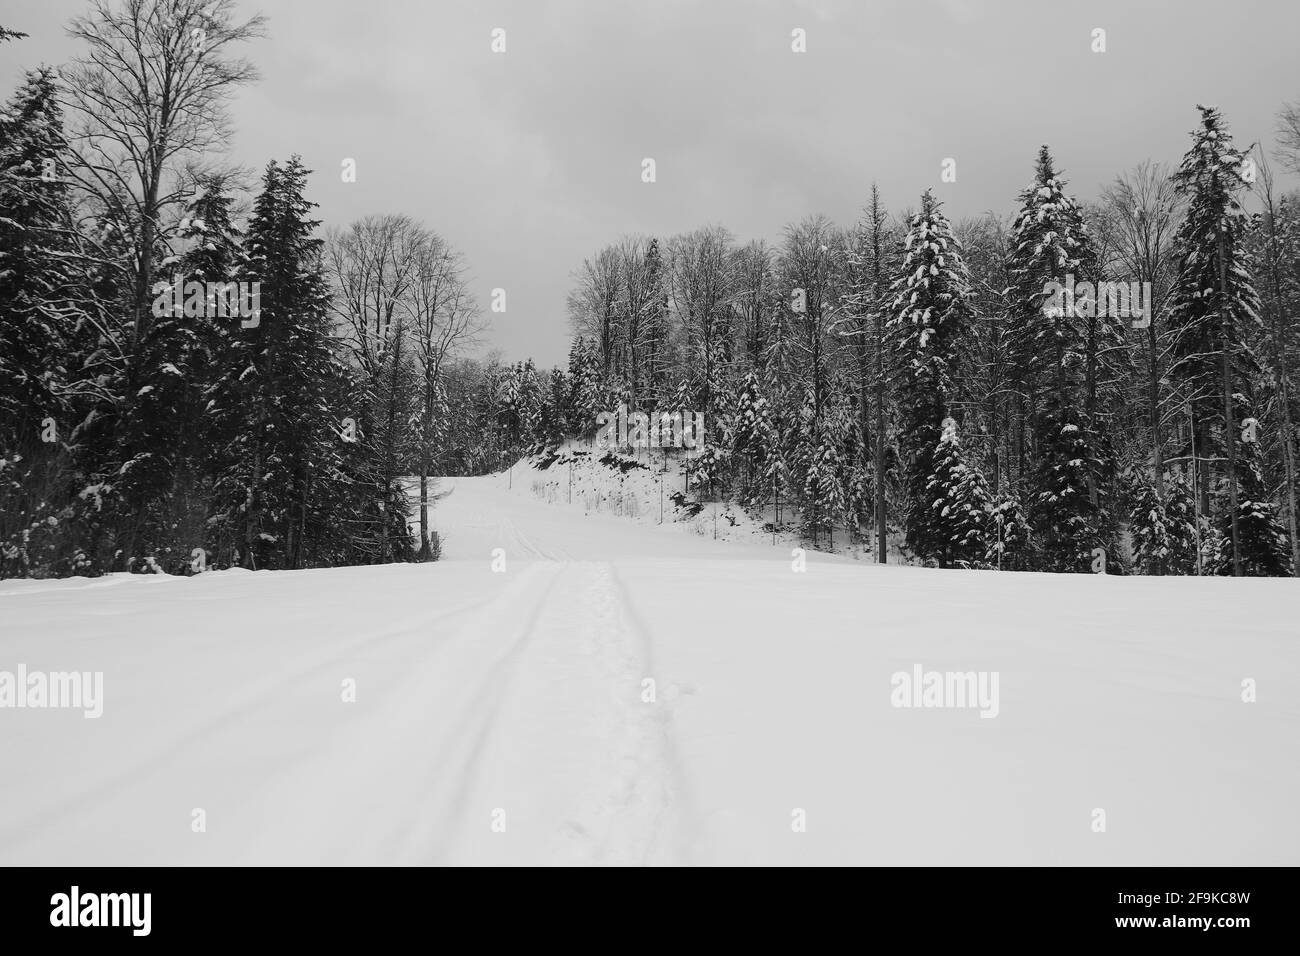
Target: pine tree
<point>1214,310</point>
<point>959,507</point>
<point>1053,341</point>
<point>929,315</point>
<point>556,409</point>
<point>1163,531</point>
<point>1064,519</point>
<point>39,289</point>
<point>170,426</point>
<point>1008,534</point>
<point>285,495</point>
<point>33,205</point>
<point>585,397</point>
<point>655,324</point>
<point>1265,549</point>
<point>752,436</point>
<point>823,476</point>
<point>844,421</point>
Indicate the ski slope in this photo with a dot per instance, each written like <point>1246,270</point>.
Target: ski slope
<point>499,714</point>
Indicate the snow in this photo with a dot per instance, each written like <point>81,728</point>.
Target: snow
<point>522,691</point>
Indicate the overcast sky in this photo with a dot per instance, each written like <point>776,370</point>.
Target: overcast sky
<point>531,160</point>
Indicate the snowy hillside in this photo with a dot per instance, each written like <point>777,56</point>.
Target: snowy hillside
<point>504,716</point>
<point>650,488</point>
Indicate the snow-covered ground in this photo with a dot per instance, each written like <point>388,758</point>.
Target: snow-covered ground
<point>500,715</point>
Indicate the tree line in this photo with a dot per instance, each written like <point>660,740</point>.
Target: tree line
<point>149,424</point>
<point>916,376</point>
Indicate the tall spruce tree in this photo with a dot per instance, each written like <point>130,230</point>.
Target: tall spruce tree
<point>929,315</point>
<point>1214,314</point>
<point>1060,463</point>
<point>39,292</point>
<point>290,392</point>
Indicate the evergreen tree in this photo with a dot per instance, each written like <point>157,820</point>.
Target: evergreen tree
<point>1053,341</point>
<point>287,388</point>
<point>929,315</point>
<point>585,396</point>
<point>556,409</point>
<point>752,436</point>
<point>959,506</point>
<point>1265,549</point>
<point>1008,534</point>
<point>823,469</point>
<point>39,289</point>
<point>1164,532</point>
<point>185,347</point>
<point>33,206</point>
<point>1064,519</point>
<point>1214,310</point>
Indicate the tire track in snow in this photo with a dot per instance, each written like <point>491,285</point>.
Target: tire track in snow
<point>466,744</point>
<point>244,707</point>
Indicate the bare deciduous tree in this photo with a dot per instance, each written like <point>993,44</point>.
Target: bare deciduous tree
<point>1288,136</point>
<point>147,103</point>
<point>1145,210</point>
<point>444,318</point>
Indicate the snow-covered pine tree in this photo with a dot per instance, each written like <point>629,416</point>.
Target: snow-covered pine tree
<point>284,491</point>
<point>1008,534</point>
<point>959,506</point>
<point>929,315</point>
<point>1064,519</point>
<point>175,442</point>
<point>845,424</point>
<point>752,438</point>
<point>586,400</point>
<point>38,293</point>
<point>532,401</point>
<point>1214,311</point>
<point>655,324</point>
<point>870,299</point>
<point>1264,548</point>
<point>521,404</point>
<point>33,205</point>
<point>1275,248</point>
<point>823,476</point>
<point>556,408</point>
<point>1163,532</point>
<point>1050,344</point>
<point>506,411</point>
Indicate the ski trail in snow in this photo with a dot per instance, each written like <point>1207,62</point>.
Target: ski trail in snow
<point>242,707</point>
<point>480,701</point>
<point>557,737</point>
<point>620,818</point>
